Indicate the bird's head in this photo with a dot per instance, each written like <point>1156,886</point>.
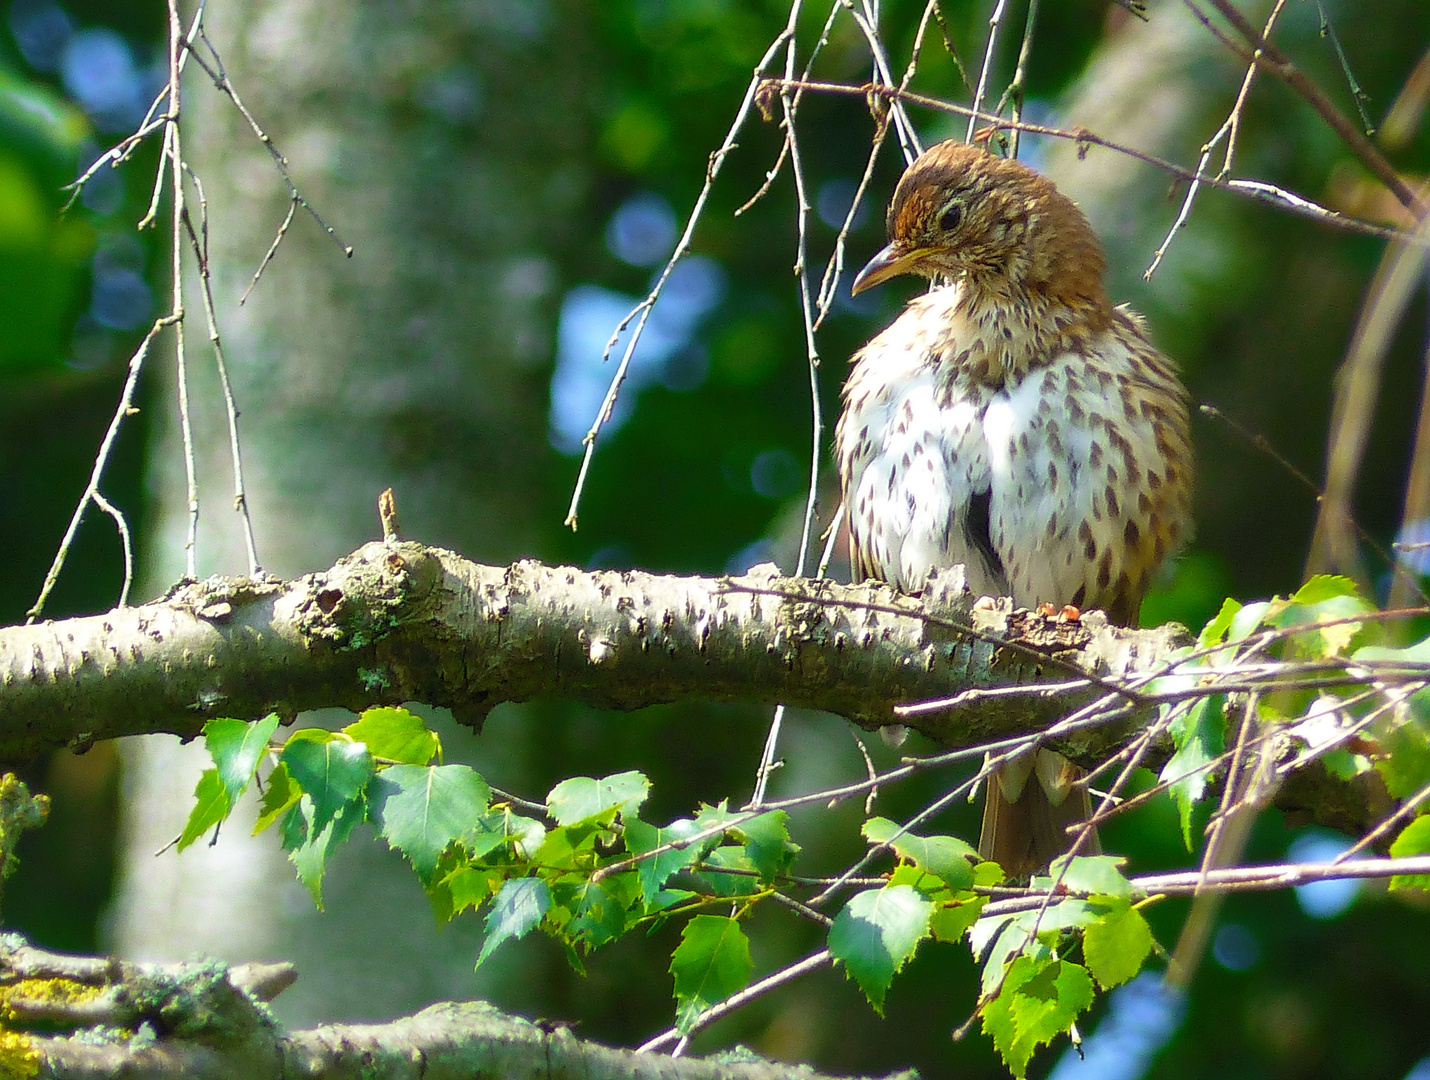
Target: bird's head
<point>962,214</point>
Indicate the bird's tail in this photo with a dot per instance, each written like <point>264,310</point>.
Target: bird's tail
<point>1025,825</point>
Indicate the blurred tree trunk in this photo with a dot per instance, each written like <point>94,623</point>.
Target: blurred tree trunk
<point>445,141</point>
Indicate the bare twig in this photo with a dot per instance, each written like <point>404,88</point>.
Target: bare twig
<point>1262,52</point>
<point>1228,131</point>
<point>995,21</point>
<point>101,460</point>
<point>1261,192</point>
<point>641,312</point>
<point>213,67</point>
<point>199,240</point>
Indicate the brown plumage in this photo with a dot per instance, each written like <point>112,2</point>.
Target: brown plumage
<point>1015,421</point>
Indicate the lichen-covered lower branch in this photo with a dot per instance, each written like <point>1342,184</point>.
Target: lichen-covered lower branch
<point>77,1018</point>
<point>397,622</point>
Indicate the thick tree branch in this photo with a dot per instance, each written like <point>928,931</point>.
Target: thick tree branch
<point>77,1018</point>
<point>398,622</point>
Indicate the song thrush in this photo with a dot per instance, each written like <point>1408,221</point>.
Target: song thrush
<point>1013,420</point>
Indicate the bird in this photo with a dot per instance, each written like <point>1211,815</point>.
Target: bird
<point>1014,420</point>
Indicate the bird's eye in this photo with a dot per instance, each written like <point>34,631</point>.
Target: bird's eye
<point>951,217</point>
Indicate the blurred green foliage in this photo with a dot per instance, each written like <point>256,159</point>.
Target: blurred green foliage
<point>43,256</point>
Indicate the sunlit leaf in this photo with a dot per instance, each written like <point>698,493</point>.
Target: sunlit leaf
<point>395,734</point>
<point>582,797</point>
<point>331,772</point>
<point>1215,631</point>
<point>1116,944</point>
<point>946,857</point>
<point>1199,734</point>
<point>950,922</point>
<point>768,844</point>
<point>573,847</point>
<point>517,908</point>
<point>876,935</point>
<point>1039,1000</point>
<point>1414,839</point>
<point>1093,875</point>
<point>280,796</point>
<point>419,810</point>
<point>654,871</point>
<point>211,806</point>
<point>236,748</point>
<point>711,962</point>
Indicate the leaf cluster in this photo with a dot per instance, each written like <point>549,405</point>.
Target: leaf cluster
<point>586,869</point>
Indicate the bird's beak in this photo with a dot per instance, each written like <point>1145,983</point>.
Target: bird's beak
<point>894,259</point>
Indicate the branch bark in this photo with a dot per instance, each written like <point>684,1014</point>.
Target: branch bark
<point>397,622</point>
<point>77,1018</point>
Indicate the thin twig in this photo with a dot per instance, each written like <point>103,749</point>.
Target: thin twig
<point>124,409</point>
<point>174,146</point>
<point>1228,131</point>
<point>641,312</point>
<point>221,81</point>
<point>1261,192</point>
<point>200,242</point>
<point>1360,97</point>
<point>1268,56</point>
<point>994,22</point>
<point>812,962</point>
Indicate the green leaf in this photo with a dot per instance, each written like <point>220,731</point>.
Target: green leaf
<point>1403,753</point>
<point>1094,875</point>
<point>732,857</point>
<point>1248,619</point>
<point>1199,735</point>
<point>581,797</point>
<point>331,772</point>
<point>946,857</point>
<point>236,748</point>
<point>1322,587</point>
<point>421,809</point>
<point>906,873</point>
<point>280,796</point>
<point>1414,839</point>
<point>876,934</point>
<point>518,907</point>
<point>1040,999</point>
<point>713,817</point>
<point>500,825</point>
<point>469,886</point>
<point>310,858</point>
<point>600,916</point>
<point>988,874</point>
<point>1215,631</point>
<point>1030,933</point>
<point>211,806</point>
<point>711,962</point>
<point>1340,609</point>
<point>768,844</point>
<point>1116,944</point>
<point>951,921</point>
<point>395,735</point>
<point>655,871</point>
<point>998,940</point>
<point>573,847</point>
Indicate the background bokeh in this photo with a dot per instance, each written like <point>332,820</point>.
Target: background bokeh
<point>512,175</point>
